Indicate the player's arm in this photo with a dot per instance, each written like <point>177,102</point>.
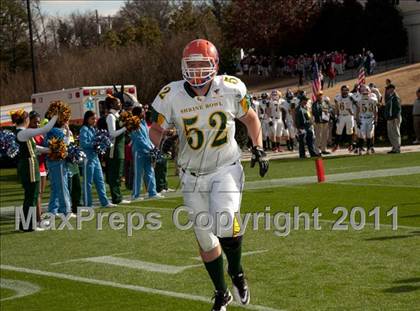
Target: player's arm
<point>161,114</point>
<point>253,125</point>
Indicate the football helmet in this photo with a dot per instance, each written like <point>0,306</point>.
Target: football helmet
<point>275,95</point>
<point>200,62</point>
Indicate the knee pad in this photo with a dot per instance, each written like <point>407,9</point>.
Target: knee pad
<point>231,243</point>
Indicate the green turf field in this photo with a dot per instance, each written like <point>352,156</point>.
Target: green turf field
<point>367,269</point>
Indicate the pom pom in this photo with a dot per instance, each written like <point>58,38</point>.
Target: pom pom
<point>55,141</point>
<point>75,155</point>
<point>102,141</point>
<point>8,144</point>
<point>55,132</point>
<point>131,122</point>
<point>61,109</point>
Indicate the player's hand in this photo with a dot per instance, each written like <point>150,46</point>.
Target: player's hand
<point>259,155</point>
<point>168,144</point>
<point>270,123</point>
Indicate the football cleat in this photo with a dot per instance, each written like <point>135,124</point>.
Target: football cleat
<point>221,300</point>
<point>240,289</point>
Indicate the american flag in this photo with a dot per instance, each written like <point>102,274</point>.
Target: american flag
<point>316,81</point>
<point>362,76</point>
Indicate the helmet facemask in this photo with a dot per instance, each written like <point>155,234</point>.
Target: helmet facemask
<point>198,70</point>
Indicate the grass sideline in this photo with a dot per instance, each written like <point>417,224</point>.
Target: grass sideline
<point>307,270</point>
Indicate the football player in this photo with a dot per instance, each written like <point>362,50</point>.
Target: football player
<point>264,116</point>
<point>367,117</point>
<point>289,106</point>
<point>203,107</point>
<point>344,110</point>
<point>277,120</point>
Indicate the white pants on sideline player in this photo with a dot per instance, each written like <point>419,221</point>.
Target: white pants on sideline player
<point>278,130</point>
<point>345,121</point>
<point>367,128</point>
<point>216,196</point>
<point>265,129</point>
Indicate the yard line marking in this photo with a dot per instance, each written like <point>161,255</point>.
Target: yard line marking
<point>376,185</point>
<point>81,259</point>
<point>139,264</point>
<point>22,288</point>
<point>244,254</point>
<point>137,288</point>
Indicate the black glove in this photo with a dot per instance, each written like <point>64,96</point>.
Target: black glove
<point>270,123</point>
<point>259,155</point>
<point>359,124</point>
<point>168,144</point>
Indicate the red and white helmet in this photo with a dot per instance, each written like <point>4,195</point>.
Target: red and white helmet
<point>200,62</point>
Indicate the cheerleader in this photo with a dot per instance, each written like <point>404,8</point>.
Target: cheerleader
<point>115,157</point>
<point>34,123</point>
<point>60,202</point>
<point>28,166</point>
<point>92,171</point>
<point>142,162</point>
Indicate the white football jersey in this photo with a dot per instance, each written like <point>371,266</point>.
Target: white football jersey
<point>276,109</point>
<point>367,106</point>
<point>205,124</point>
<point>263,112</point>
<point>344,104</point>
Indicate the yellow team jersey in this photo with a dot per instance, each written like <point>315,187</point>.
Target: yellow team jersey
<point>205,124</point>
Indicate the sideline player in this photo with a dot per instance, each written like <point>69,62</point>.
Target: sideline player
<point>344,109</point>
<point>367,117</point>
<point>264,116</point>
<point>290,105</point>
<point>203,107</point>
<point>278,122</point>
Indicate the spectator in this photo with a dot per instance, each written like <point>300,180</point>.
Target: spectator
<point>305,129</point>
<point>321,115</point>
<point>92,172</point>
<point>416,117</point>
<point>300,69</point>
<point>331,74</point>
<point>393,117</point>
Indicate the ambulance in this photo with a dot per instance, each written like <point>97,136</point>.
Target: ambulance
<point>7,110</point>
<point>80,99</point>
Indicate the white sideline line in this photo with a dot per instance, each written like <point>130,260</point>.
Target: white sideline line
<point>126,286</point>
<point>293,181</point>
<point>376,185</point>
<point>272,183</point>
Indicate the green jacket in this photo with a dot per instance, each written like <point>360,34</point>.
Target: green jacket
<point>392,107</point>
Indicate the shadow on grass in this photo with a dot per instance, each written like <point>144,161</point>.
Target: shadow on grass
<point>410,280</point>
<point>395,237</point>
<point>402,289</point>
<point>411,216</point>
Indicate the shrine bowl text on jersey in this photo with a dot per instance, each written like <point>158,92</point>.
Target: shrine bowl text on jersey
<point>205,124</point>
